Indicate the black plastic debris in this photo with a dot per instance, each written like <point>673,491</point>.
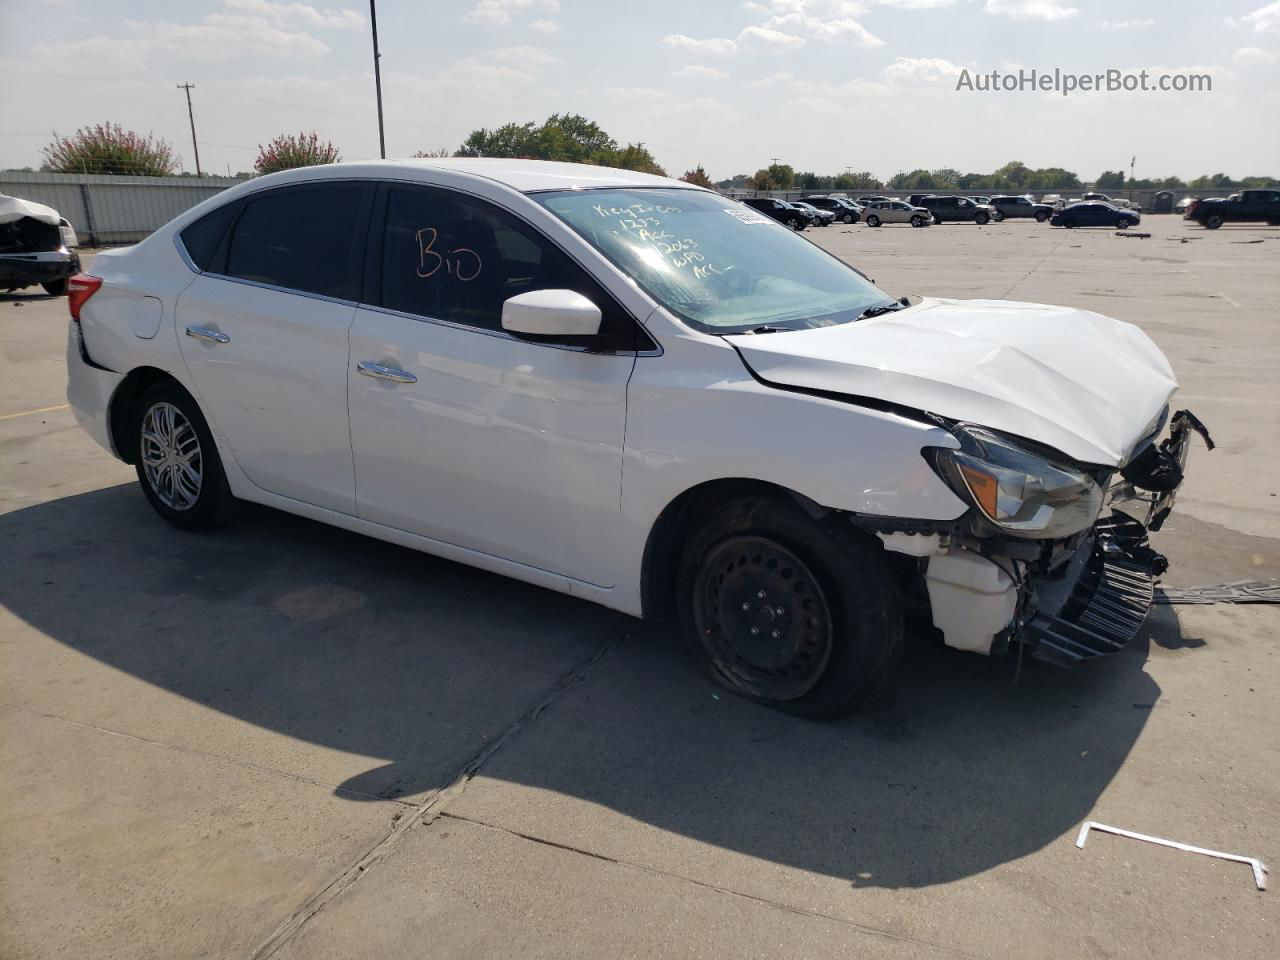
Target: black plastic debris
<point>1239,591</point>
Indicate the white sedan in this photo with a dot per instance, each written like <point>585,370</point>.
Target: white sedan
<point>635,391</point>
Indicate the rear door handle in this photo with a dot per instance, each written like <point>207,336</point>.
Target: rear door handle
<point>380,371</point>
<point>207,335</point>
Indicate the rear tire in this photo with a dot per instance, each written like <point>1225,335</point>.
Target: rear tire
<point>55,288</point>
<point>177,462</point>
<point>997,216</point>
<point>873,221</point>
<point>798,614</point>
<point>1213,222</point>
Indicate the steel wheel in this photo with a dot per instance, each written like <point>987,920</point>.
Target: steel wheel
<point>171,457</point>
<point>762,617</point>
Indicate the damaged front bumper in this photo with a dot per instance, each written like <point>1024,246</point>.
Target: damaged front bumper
<point>1065,601</point>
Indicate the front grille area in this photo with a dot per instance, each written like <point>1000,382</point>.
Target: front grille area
<point>1108,603</point>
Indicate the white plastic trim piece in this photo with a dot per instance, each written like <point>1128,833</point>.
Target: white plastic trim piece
<point>1259,868</point>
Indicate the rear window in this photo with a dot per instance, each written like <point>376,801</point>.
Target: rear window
<point>201,238</point>
<point>301,238</point>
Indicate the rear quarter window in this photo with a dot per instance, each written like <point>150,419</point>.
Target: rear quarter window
<point>201,239</point>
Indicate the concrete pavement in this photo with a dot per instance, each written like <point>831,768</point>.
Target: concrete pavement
<point>285,740</point>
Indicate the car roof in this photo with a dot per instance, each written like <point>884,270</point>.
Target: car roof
<point>525,176</point>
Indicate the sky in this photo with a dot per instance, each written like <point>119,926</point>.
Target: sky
<point>822,85</point>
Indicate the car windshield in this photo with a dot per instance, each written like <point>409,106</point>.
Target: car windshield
<point>719,265</point>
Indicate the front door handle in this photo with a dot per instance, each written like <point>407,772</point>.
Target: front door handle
<point>207,335</point>
<point>380,371</point>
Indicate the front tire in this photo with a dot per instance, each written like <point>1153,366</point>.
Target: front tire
<point>981,219</point>
<point>917,221</point>
<point>177,462</point>
<point>848,218</point>
<point>1041,217</point>
<point>801,615</point>
<point>1123,223</point>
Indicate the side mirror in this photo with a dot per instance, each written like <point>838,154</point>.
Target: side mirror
<point>551,313</point>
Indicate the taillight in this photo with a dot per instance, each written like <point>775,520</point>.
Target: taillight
<point>79,289</point>
<point>1191,208</point>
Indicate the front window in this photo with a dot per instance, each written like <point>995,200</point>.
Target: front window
<point>715,263</point>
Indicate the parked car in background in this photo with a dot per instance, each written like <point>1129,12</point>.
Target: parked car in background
<point>846,211</point>
<point>865,200</point>
<point>821,218</point>
<point>1181,205</point>
<point>1055,200</point>
<point>37,246</point>
<point>781,211</point>
<point>981,201</point>
<point>1019,208</point>
<point>1247,206</point>
<point>1119,203</point>
<point>894,211</point>
<point>1095,214</point>
<point>957,210</point>
<point>682,411</point>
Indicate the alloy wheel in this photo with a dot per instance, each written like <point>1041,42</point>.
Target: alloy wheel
<point>171,456</point>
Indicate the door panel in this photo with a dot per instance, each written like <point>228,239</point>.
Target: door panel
<point>506,447</point>
<point>268,323</point>
<point>487,441</point>
<point>277,389</point>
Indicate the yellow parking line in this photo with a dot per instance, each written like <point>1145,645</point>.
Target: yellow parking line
<point>28,413</point>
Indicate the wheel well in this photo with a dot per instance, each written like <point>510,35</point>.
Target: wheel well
<point>672,528</point>
<point>122,402</point>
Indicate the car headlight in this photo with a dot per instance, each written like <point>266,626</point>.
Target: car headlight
<point>1017,490</point>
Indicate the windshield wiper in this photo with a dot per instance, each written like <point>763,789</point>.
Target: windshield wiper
<point>768,329</point>
<point>880,308</point>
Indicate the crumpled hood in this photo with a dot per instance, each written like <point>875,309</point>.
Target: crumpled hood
<point>1075,380</point>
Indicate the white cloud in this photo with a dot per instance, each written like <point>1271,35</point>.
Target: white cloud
<point>1255,55</point>
<point>544,26</point>
<point>773,40</point>
<point>1126,24</point>
<point>718,45</point>
<point>775,78</point>
<point>1031,9</point>
<point>501,12</point>
<point>284,13</point>
<point>1263,20</point>
<point>919,70</point>
<point>697,70</point>
<point>524,56</point>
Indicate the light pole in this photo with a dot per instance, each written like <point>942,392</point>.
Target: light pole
<point>192,117</point>
<point>377,77</point>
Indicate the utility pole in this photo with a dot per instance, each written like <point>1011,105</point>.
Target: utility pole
<point>377,78</point>
<point>1132,161</point>
<point>192,117</point>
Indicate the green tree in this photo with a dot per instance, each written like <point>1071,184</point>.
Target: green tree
<point>1110,180</point>
<point>859,180</point>
<point>109,148</point>
<point>442,152</point>
<point>566,137</point>
<point>287,152</point>
<point>698,177</point>
<point>776,176</point>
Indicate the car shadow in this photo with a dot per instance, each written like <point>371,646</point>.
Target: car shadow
<point>367,648</point>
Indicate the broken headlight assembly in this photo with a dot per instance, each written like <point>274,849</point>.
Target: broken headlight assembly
<point>1020,492</point>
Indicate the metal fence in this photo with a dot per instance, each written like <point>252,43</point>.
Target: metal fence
<point>106,209</point>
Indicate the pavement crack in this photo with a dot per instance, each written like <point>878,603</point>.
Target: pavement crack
<point>189,751</point>
<point>430,807</point>
<point>717,888</point>
<point>1038,264</point>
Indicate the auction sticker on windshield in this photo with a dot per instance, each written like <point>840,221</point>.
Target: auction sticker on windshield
<point>746,215</point>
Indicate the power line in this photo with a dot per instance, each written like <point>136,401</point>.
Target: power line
<point>192,117</point>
